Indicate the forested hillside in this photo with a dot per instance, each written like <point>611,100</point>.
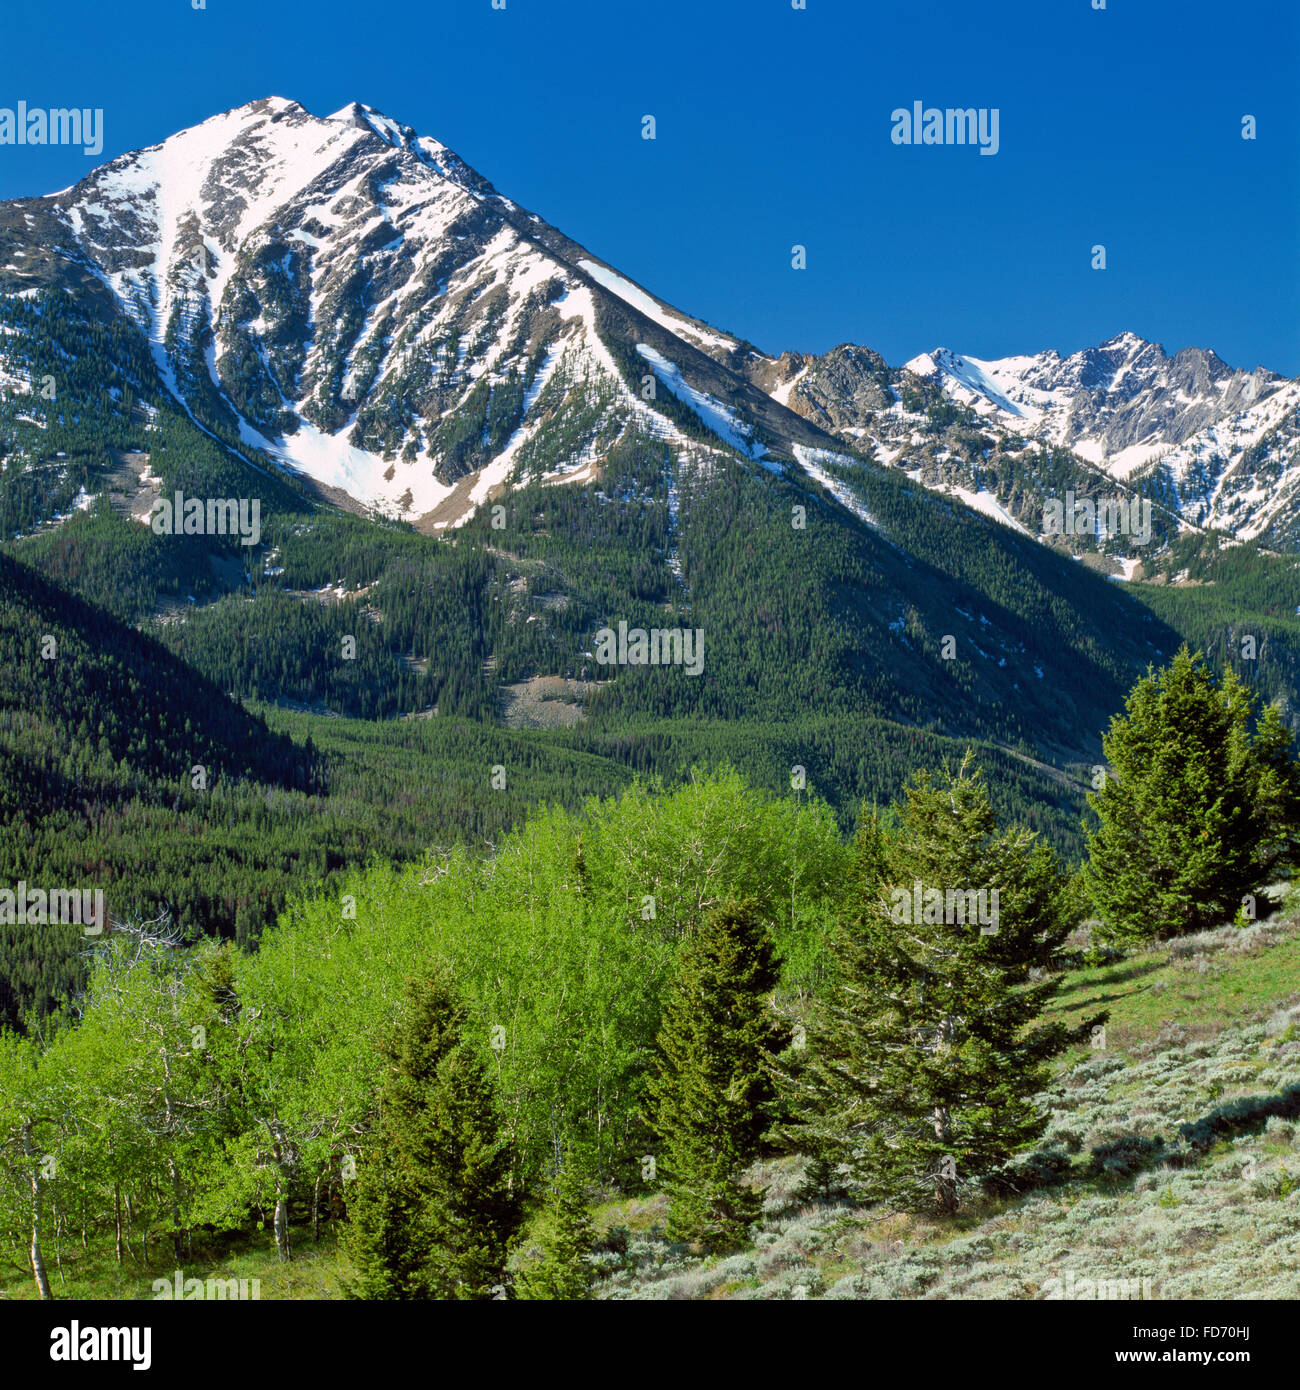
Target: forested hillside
<point>104,794</point>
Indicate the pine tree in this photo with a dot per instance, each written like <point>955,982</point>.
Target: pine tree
<point>434,1210</point>
<point>563,1236</point>
<point>1199,813</point>
<point>712,1096</point>
<point>1278,792</point>
<point>819,1134</point>
<point>927,1053</point>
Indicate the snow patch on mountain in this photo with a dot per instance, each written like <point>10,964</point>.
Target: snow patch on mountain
<point>717,416</point>
<point>331,460</point>
<point>652,309</point>
<point>987,504</point>
<point>812,460</point>
<point>1215,485</point>
<point>989,388</point>
<point>783,392</point>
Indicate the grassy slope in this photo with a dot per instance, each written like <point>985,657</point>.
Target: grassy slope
<point>1203,1032</point>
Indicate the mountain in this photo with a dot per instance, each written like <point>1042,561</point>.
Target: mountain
<point>354,301</point>
<point>1112,404</point>
<point>474,445</point>
<point>1226,441</point>
<point>357,302</point>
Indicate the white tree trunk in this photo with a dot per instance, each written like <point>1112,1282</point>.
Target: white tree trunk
<point>279,1157</point>
<point>282,1219</point>
<point>38,1259</point>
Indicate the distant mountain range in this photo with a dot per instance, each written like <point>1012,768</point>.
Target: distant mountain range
<point>353,300</point>
<point>1226,440</point>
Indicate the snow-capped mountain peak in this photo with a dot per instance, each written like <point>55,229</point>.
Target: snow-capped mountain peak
<point>1219,446</point>
<point>352,298</point>
<point>1006,387</point>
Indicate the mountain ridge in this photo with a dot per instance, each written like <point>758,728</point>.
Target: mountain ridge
<point>304,281</point>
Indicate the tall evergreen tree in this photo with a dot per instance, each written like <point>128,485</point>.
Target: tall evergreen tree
<point>926,1055</point>
<point>712,1096</point>
<point>434,1210</point>
<point>1200,812</point>
<point>823,1179</point>
<point>563,1236</point>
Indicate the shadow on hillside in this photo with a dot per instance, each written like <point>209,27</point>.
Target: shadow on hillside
<point>1123,1158</point>
<point>1235,1116</point>
<point>1134,971</point>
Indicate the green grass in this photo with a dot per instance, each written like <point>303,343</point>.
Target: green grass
<point>313,1273</point>
<point>1151,988</point>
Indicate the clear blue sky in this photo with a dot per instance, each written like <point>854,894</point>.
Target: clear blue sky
<point>1120,126</point>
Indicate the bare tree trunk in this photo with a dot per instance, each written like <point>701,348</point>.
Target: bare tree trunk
<point>130,1227</point>
<point>281,1156</point>
<point>281,1217</point>
<point>171,1163</point>
<point>176,1210</point>
<point>38,1259</point>
<point>117,1220</point>
<point>315,1211</point>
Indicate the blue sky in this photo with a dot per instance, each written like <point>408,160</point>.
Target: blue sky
<point>1120,127</point>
